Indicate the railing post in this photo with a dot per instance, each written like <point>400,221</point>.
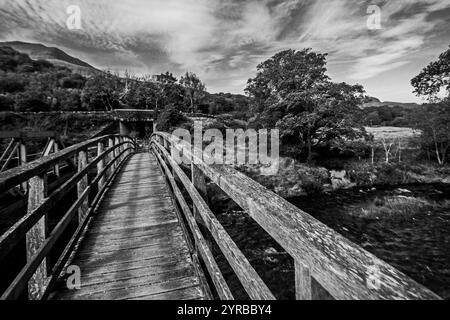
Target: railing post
<point>82,185</point>
<point>116,152</point>
<point>56,149</point>
<point>110,156</point>
<point>121,148</point>
<point>36,236</point>
<point>302,281</point>
<point>22,155</point>
<point>198,180</point>
<point>100,165</point>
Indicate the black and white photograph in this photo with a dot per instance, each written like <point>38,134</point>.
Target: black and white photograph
<point>227,150</point>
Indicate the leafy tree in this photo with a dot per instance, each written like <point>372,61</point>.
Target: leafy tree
<point>294,94</point>
<point>194,89</point>
<point>434,122</point>
<point>434,77</point>
<point>102,92</point>
<point>373,119</point>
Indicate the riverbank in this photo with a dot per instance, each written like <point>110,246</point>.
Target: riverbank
<point>295,179</point>
<point>413,241</point>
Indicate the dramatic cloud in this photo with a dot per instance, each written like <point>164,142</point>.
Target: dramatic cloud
<point>223,41</point>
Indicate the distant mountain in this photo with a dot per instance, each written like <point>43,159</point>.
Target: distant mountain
<point>54,55</point>
<point>375,102</point>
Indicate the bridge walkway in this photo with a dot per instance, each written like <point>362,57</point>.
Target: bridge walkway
<point>135,248</point>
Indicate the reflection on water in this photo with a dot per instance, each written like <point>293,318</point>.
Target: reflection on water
<point>417,244</point>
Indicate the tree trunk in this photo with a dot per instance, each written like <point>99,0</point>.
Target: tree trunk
<point>373,155</point>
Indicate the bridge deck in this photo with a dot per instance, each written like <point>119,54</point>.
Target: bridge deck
<point>135,248</point>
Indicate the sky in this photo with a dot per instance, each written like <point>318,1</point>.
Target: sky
<point>224,40</point>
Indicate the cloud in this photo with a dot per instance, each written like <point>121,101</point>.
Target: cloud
<point>223,41</point>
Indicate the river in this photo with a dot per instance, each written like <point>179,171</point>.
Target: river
<point>413,238</point>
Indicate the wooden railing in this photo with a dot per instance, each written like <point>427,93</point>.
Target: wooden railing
<point>342,268</point>
<point>37,275</point>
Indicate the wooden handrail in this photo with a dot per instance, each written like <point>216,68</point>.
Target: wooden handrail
<point>17,175</point>
<point>32,225</point>
<point>251,281</point>
<point>341,267</point>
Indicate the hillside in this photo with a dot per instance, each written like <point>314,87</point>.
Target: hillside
<point>375,102</point>
<point>54,55</point>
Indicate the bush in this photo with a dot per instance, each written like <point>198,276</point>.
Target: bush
<point>169,118</point>
<point>400,122</point>
<point>6,103</point>
<point>74,81</point>
<point>11,84</point>
<point>31,102</point>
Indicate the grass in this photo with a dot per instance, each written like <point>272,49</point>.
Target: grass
<point>398,207</point>
<point>392,133</point>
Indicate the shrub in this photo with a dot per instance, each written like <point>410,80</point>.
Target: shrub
<point>74,81</point>
<point>11,83</point>
<point>169,118</point>
<point>6,103</point>
<point>32,102</point>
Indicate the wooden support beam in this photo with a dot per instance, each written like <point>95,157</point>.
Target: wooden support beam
<point>36,236</point>
<point>56,168</point>
<point>116,152</point>
<point>110,157</point>
<point>13,151</point>
<point>82,185</point>
<point>198,180</point>
<point>7,150</point>
<point>302,282</point>
<point>22,155</point>
<point>100,164</point>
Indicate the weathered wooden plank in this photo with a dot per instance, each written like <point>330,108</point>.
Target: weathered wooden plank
<point>302,282</point>
<point>82,184</point>
<point>190,293</point>
<point>22,155</point>
<point>36,236</point>
<point>101,163</point>
<point>139,289</point>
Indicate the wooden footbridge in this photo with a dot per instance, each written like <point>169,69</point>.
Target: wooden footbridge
<point>131,224</point>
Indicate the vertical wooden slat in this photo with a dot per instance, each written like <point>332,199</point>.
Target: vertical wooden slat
<point>5,165</point>
<point>82,185</point>
<point>36,236</point>
<point>22,160</point>
<point>121,149</point>
<point>110,156</point>
<point>302,282</point>
<point>116,152</point>
<point>100,164</point>
<point>56,168</point>
<point>198,180</point>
